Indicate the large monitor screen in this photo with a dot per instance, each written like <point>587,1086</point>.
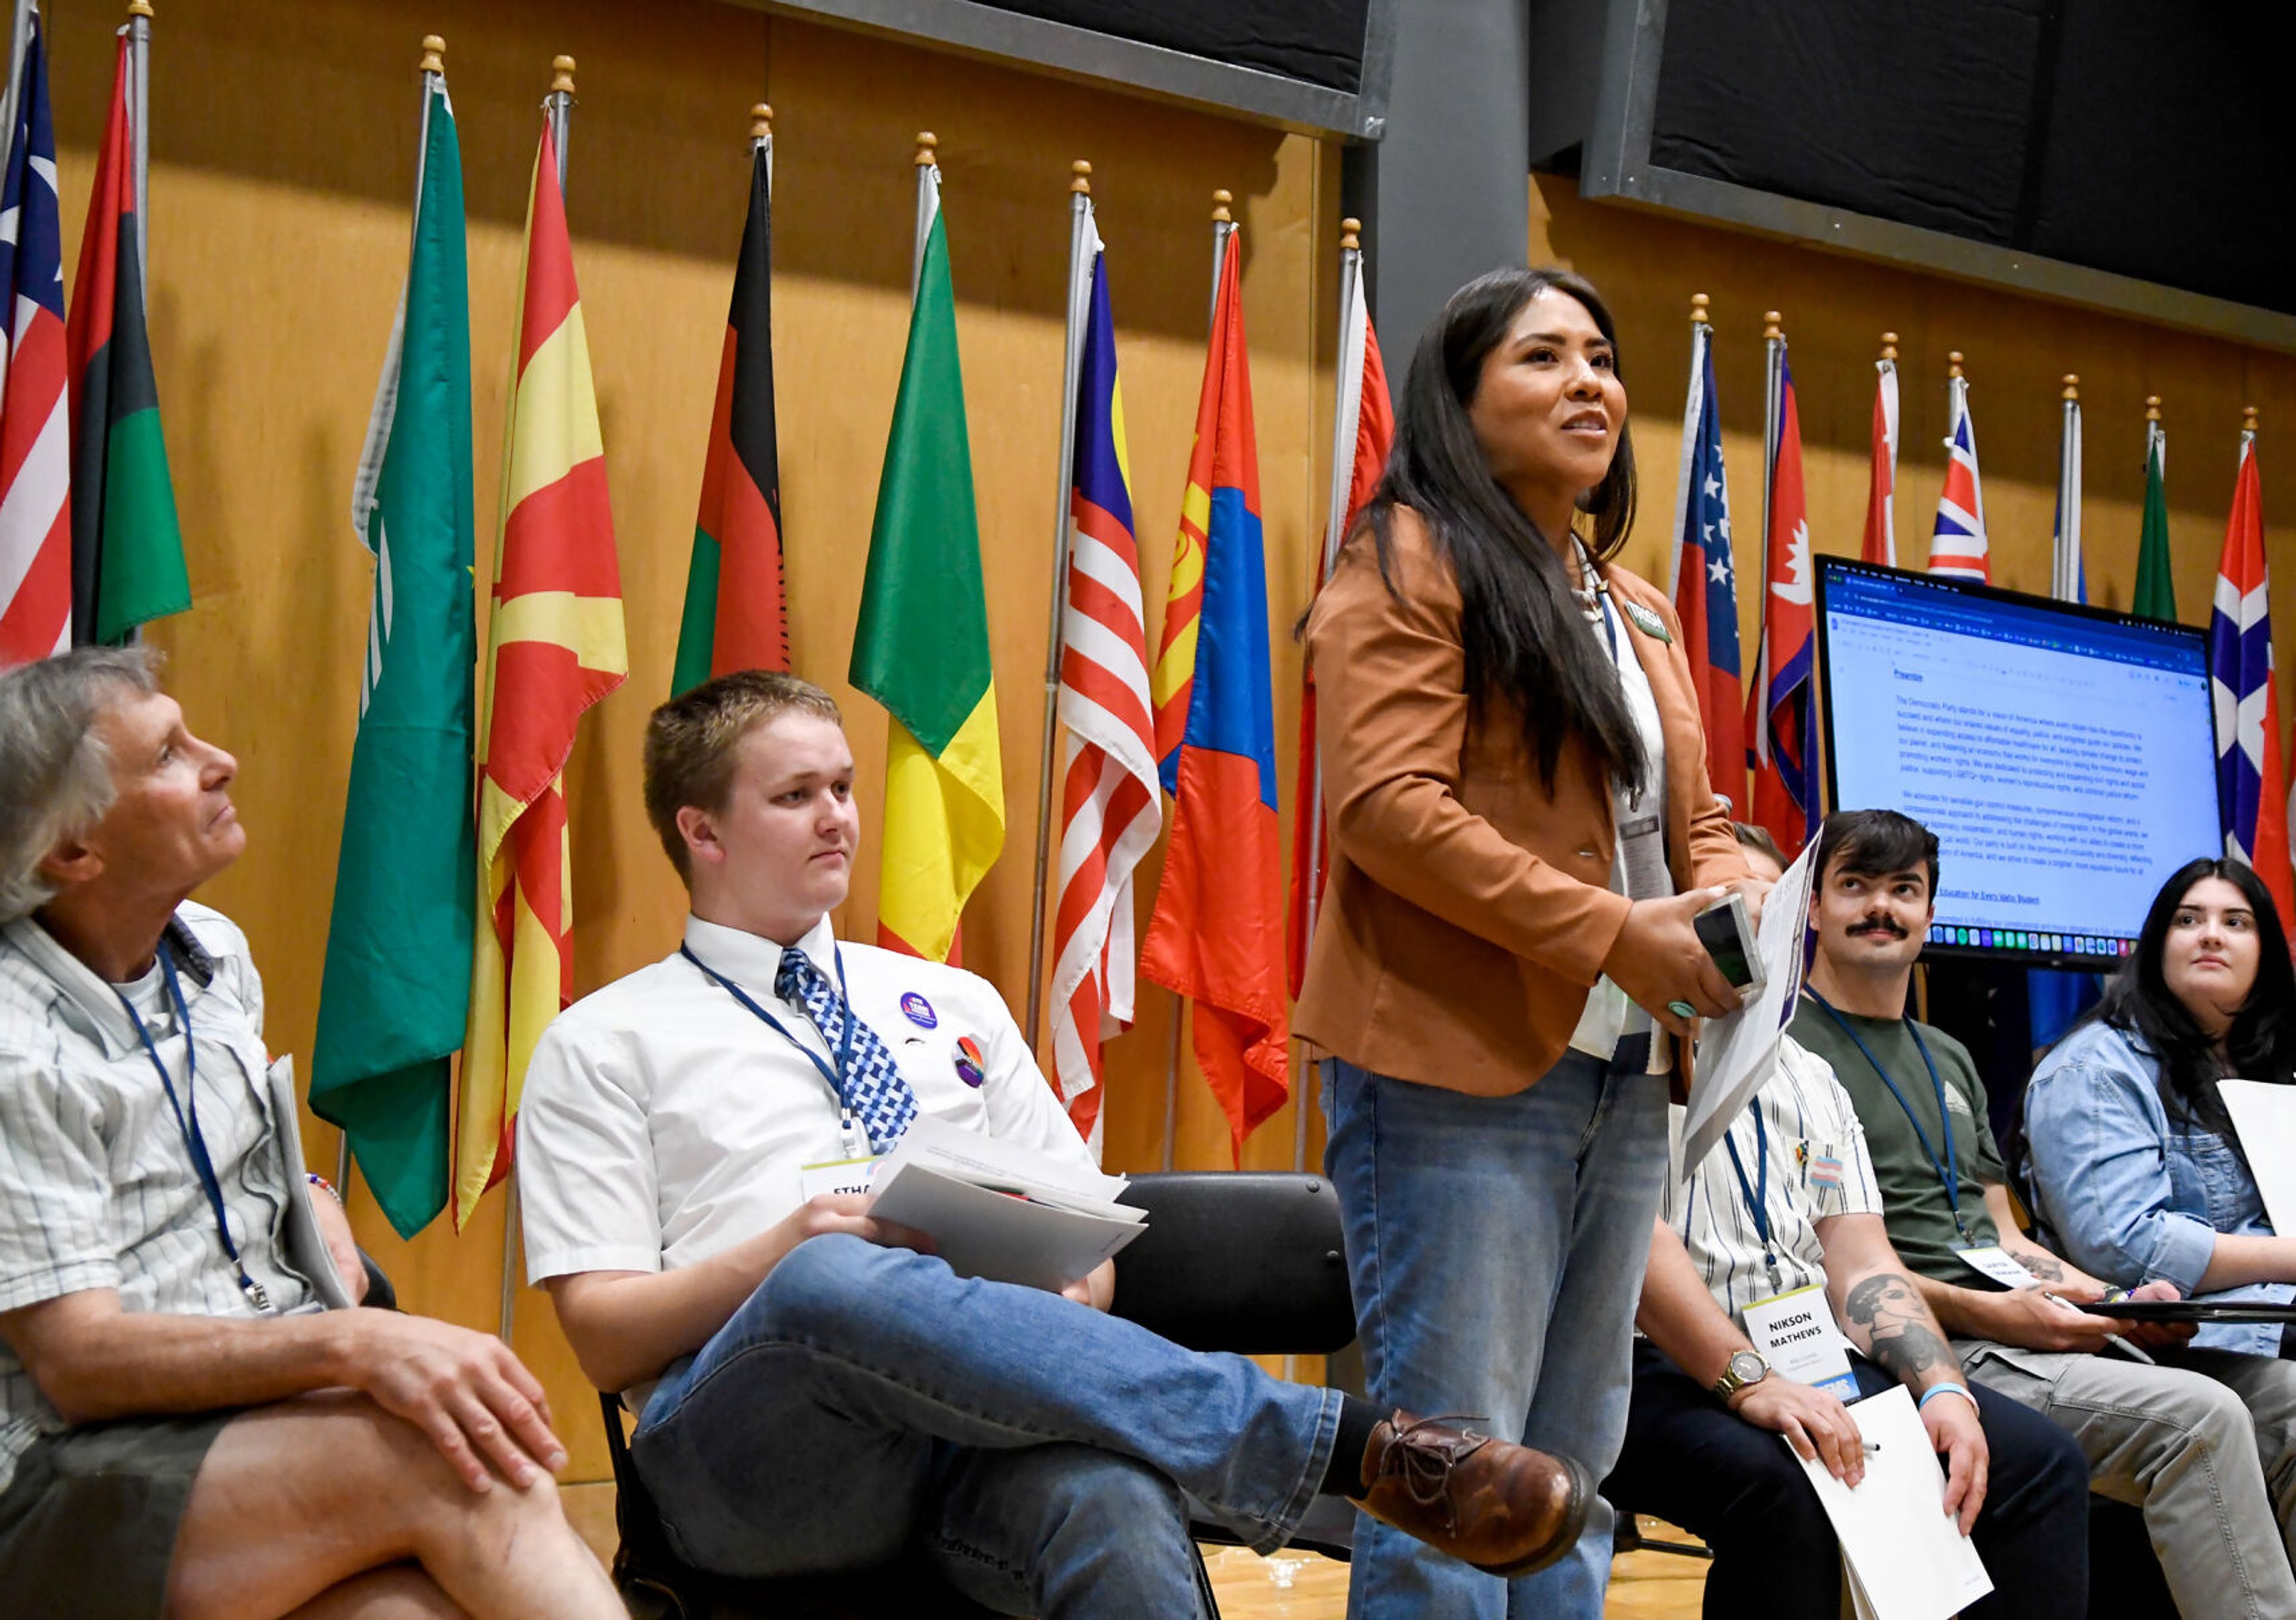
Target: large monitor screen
<point>2064,756</point>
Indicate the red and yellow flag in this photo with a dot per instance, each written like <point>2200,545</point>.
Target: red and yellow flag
<point>554,647</point>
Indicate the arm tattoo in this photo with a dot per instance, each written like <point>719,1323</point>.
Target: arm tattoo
<point>2040,1263</point>
<point>1902,1337</point>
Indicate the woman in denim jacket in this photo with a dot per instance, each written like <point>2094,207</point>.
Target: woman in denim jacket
<point>2136,1171</point>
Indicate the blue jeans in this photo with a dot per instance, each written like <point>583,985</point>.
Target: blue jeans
<point>1495,1246</point>
<point>864,1400</point>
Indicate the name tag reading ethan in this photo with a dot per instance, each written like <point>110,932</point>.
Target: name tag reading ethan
<point>1796,1331</point>
<point>839,1176</point>
<point>1994,1261</point>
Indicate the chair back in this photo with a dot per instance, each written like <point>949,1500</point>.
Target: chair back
<point>1244,1261</point>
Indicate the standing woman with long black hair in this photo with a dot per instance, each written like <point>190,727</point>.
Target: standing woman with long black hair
<point>1522,831</point>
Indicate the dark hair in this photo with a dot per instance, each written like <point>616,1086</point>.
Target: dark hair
<point>1519,626</point>
<point>1758,840</point>
<point>1876,842</point>
<point>2260,1045</point>
<point>690,745</point>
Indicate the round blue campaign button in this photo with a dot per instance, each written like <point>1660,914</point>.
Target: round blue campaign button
<point>918,1010</point>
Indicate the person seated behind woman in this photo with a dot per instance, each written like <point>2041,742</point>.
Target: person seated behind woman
<point>2134,1163</point>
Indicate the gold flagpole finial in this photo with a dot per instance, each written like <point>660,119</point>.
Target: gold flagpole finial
<point>1220,200</point>
<point>1351,235</point>
<point>434,54</point>
<point>1698,306</point>
<point>1890,346</point>
<point>761,122</point>
<point>928,148</point>
<point>139,8</point>
<point>2248,419</point>
<point>1953,362</point>
<point>1773,326</point>
<point>2152,407</point>
<point>561,76</point>
<point>1080,180</point>
<point>2072,386</point>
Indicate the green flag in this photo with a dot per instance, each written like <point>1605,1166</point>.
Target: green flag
<point>396,993</point>
<point>2156,588</point>
<point>921,645</point>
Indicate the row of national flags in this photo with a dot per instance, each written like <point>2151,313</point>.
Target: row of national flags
<point>90,547</point>
<point>1779,720</point>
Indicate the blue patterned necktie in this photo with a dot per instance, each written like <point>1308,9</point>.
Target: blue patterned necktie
<point>873,1088</point>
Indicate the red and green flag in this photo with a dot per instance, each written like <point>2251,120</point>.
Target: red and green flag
<point>736,608</point>
<point>128,549</point>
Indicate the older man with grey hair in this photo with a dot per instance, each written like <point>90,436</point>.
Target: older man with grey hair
<point>183,1430</point>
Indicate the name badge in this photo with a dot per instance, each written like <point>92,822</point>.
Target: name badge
<point>1994,1261</point>
<point>838,1176</point>
<point>1642,850</point>
<point>1797,1332</point>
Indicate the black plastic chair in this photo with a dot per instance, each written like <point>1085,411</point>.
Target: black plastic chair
<point>1243,1261</point>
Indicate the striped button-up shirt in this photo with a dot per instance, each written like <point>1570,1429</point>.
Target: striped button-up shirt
<point>1818,1167</point>
<point>96,1184</point>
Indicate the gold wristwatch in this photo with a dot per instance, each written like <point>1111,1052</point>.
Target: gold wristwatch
<point>1744,1367</point>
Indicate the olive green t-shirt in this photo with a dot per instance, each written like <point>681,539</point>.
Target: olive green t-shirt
<point>1917,1212</point>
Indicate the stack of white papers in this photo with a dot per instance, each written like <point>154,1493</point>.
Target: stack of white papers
<point>1001,1211</point>
<point>1905,1559</point>
<point>1737,1053</point>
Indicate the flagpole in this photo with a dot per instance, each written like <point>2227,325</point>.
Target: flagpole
<point>1222,227</point>
<point>139,106</point>
<point>1080,258</point>
<point>19,37</point>
<point>2065,583</point>
<point>1773,339</point>
<point>928,165</point>
<point>558,107</point>
<point>1347,386</point>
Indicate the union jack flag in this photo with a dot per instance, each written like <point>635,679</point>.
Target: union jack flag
<point>35,560</point>
<point>2252,790</point>
<point>1705,578</point>
<point>1957,545</point>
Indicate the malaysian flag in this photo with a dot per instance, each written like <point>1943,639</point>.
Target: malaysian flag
<point>1881,485</point>
<point>1957,544</point>
<point>35,562</point>
<point>1705,580</point>
<point>2252,790</point>
<point>1109,808</point>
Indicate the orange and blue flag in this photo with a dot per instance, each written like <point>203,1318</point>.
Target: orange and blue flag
<point>1217,932</point>
<point>2251,788</point>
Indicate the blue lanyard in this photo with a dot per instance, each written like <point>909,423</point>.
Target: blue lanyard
<point>1757,1194</point>
<point>187,1120</point>
<point>1949,1171</point>
<point>835,1076</point>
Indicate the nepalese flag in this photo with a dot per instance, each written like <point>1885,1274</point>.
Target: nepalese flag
<point>1881,544</point>
<point>1365,421</point>
<point>1705,578</point>
<point>35,560</point>
<point>128,549</point>
<point>1957,546</point>
<point>1780,713</point>
<point>555,648</point>
<point>2251,788</point>
<point>1111,813</point>
<point>736,603</point>
<point>1217,932</point>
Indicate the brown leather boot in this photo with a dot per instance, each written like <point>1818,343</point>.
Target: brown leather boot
<point>1505,1508</point>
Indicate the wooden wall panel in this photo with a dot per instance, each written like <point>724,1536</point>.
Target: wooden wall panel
<point>282,165</point>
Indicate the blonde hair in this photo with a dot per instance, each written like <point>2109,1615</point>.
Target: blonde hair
<point>691,740</point>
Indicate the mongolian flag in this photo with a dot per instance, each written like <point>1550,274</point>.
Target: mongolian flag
<point>1364,430</point>
<point>2251,788</point>
<point>1780,713</point>
<point>35,525</point>
<point>127,552</point>
<point>1957,545</point>
<point>1217,932</point>
<point>1881,544</point>
<point>554,648</point>
<point>394,995</point>
<point>921,645</point>
<point>1705,578</point>
<point>1110,811</point>
<point>736,607</point>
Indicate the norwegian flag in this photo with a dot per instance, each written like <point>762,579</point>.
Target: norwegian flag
<point>2252,790</point>
<point>35,563</point>
<point>1705,581</point>
<point>1882,487</point>
<point>1779,712</point>
<point>1957,544</point>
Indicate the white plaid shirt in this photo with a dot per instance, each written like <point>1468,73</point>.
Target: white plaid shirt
<point>1818,1166</point>
<point>96,1185</point>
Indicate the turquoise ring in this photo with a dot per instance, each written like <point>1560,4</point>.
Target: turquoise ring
<point>1681,1009</point>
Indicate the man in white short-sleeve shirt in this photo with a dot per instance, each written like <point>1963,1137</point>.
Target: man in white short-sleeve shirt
<point>815,1394</point>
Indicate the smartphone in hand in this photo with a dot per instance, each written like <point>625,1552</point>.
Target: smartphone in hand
<point>1727,933</point>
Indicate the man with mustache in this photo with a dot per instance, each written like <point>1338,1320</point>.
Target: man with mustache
<point>816,1393</point>
<point>2177,1443</point>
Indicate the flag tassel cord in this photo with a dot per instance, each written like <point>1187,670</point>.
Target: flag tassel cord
<point>1081,256</point>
